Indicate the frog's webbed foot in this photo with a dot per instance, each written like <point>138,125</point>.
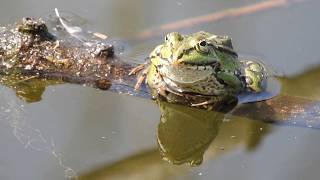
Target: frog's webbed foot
<point>174,92</point>
<point>143,70</point>
<point>137,69</point>
<point>203,103</point>
<point>141,78</point>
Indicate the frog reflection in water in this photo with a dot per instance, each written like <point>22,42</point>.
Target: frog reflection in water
<point>200,69</point>
<point>185,133</point>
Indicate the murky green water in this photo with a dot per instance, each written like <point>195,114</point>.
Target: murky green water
<point>102,135</point>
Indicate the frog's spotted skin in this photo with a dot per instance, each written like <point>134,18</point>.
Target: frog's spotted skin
<point>200,69</point>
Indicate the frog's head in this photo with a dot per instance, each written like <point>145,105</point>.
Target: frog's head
<point>201,48</point>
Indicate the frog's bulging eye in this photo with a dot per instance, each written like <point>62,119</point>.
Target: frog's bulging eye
<point>202,47</point>
<point>203,43</point>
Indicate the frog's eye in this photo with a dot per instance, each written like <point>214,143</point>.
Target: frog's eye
<point>202,46</point>
<point>203,43</point>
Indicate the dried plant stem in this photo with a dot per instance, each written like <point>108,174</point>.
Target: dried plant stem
<point>216,16</point>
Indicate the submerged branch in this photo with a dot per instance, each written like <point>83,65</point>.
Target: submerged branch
<point>283,110</point>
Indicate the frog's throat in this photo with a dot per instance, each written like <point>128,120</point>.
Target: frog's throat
<point>185,73</point>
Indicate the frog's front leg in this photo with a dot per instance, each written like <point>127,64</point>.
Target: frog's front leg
<point>138,68</point>
<point>143,69</point>
<point>231,80</point>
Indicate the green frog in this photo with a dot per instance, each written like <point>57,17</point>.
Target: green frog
<point>200,69</point>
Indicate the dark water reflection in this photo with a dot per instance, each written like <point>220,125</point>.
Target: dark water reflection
<point>103,135</point>
<point>185,133</point>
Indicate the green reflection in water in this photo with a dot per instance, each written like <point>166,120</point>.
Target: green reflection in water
<point>28,88</point>
<point>184,133</point>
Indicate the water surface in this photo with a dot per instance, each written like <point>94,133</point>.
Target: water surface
<point>103,135</point>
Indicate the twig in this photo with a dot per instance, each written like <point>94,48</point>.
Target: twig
<point>216,16</point>
<point>26,79</point>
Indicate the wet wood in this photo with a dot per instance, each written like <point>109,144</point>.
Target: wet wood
<point>283,110</point>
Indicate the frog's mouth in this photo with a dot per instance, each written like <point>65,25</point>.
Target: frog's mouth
<point>187,72</point>
<point>189,79</point>
<point>196,64</point>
